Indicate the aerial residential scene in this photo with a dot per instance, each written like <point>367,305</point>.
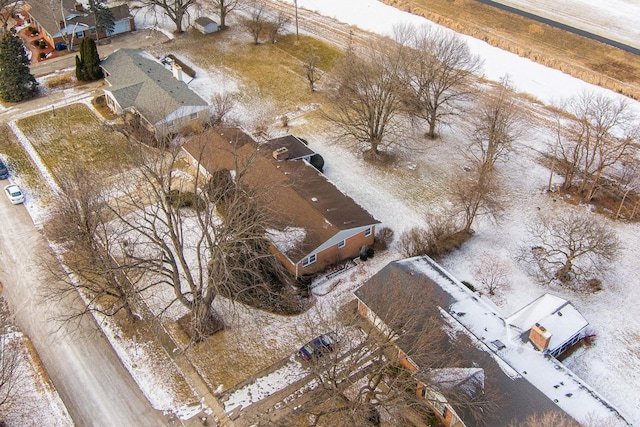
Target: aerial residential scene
<point>320,213</point>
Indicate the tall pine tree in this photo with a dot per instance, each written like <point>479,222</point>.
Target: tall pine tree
<point>16,81</point>
<point>88,64</point>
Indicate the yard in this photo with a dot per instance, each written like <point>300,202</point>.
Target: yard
<point>270,78</point>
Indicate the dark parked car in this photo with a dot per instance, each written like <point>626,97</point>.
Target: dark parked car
<point>318,346</point>
<point>4,172</point>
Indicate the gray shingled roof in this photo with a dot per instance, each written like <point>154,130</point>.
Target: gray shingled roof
<point>49,14</point>
<point>138,80</point>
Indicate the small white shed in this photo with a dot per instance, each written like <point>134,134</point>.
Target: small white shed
<point>206,25</point>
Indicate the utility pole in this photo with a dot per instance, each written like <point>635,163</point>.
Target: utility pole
<point>295,2</point>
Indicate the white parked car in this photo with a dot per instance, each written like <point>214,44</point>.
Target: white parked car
<point>14,194</point>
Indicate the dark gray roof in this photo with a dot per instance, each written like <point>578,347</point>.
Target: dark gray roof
<point>138,80</point>
<point>398,286</point>
<point>204,21</point>
<point>296,148</point>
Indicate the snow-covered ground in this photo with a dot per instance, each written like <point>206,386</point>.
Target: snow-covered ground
<point>35,401</point>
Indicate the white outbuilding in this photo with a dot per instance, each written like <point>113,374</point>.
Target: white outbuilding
<point>206,25</point>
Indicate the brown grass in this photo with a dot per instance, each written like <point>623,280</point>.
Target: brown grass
<point>19,161</point>
<point>60,80</point>
<point>581,57</point>
<point>75,135</point>
<point>273,72</point>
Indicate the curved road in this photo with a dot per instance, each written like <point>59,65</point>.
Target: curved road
<point>95,387</point>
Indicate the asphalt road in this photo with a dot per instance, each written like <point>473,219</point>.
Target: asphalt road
<point>95,387</point>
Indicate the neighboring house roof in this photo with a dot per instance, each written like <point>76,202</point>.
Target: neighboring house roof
<point>49,14</point>
<point>296,149</point>
<point>302,198</point>
<point>531,381</point>
<point>140,81</point>
<point>557,315</point>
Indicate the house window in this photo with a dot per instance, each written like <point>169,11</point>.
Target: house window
<point>445,412</point>
<point>309,260</point>
<point>367,232</point>
<point>341,244</point>
<point>80,34</point>
<point>193,116</point>
<point>92,31</point>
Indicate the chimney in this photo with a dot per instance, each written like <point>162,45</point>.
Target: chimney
<point>79,7</point>
<point>281,154</point>
<point>177,71</point>
<point>540,337</point>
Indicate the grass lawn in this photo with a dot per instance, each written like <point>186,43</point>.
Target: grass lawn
<point>19,161</point>
<point>75,135</point>
<point>273,71</point>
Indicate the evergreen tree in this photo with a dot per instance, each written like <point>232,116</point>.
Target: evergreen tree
<point>88,64</point>
<point>81,74</point>
<point>16,81</point>
<point>102,15</point>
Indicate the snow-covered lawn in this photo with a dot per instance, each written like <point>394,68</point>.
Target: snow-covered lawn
<point>35,402</point>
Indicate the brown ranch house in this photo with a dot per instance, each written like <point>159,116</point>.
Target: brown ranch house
<point>318,225</point>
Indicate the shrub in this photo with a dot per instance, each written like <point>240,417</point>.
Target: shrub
<point>42,55</point>
<point>317,162</point>
<point>183,199</point>
<point>59,80</point>
<point>383,239</point>
<point>31,29</point>
<point>43,44</point>
<point>469,286</point>
<point>441,237</point>
<point>36,43</point>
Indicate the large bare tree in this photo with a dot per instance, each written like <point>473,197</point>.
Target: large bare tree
<point>176,10</point>
<point>441,74</point>
<point>496,123</point>
<point>596,136</point>
<point>257,21</point>
<point>368,95</point>
<point>573,248</point>
<point>79,227</point>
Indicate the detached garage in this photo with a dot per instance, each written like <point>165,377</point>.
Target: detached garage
<point>205,25</point>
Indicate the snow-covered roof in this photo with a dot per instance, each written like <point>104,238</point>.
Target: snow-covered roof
<point>467,312</point>
<point>556,314</point>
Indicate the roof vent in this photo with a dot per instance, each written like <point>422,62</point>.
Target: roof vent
<point>314,199</point>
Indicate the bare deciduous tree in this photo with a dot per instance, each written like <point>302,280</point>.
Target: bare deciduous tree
<point>440,75</point>
<point>369,95</point>
<point>222,104</point>
<point>78,227</point>
<point>572,247</point>
<point>496,125</point>
<point>312,72</point>
<point>440,236</point>
<point>8,8</point>
<point>11,374</point>
<point>366,378</point>
<point>477,193</point>
<point>225,7</point>
<point>595,138</point>
<point>555,419</point>
<point>492,273</point>
<point>176,10</point>
<point>257,21</point>
<point>275,25</point>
